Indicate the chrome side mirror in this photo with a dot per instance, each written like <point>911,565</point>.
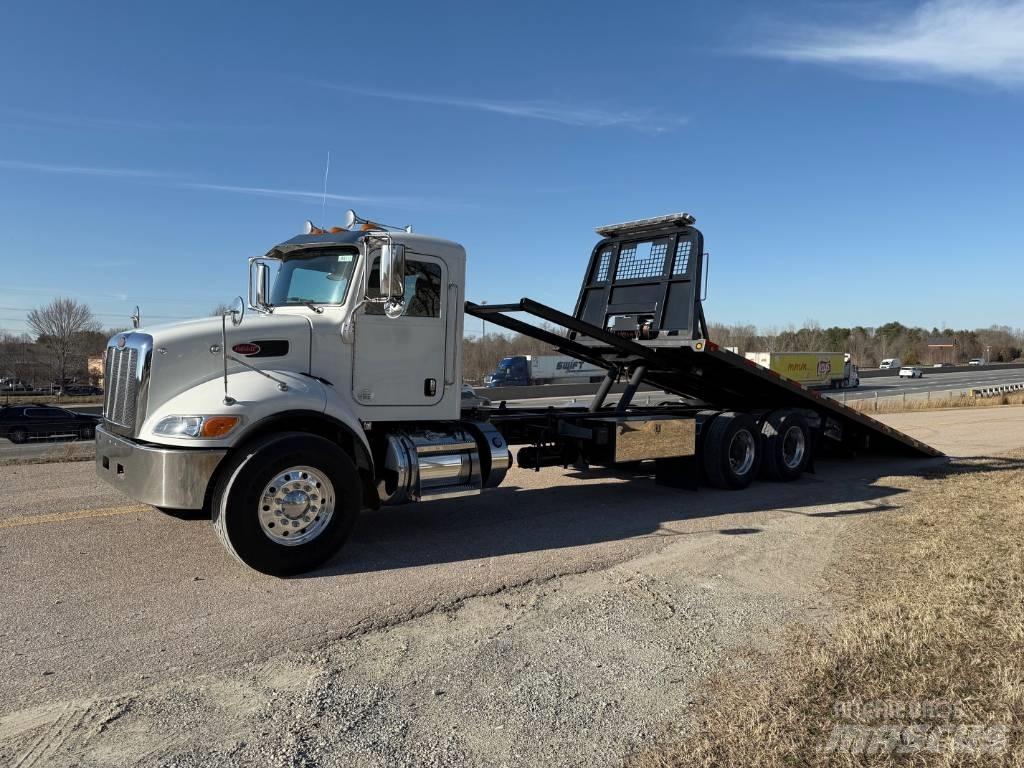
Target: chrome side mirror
<point>392,279</point>
<point>392,271</point>
<point>262,285</point>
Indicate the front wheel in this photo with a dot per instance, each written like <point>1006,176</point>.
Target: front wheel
<point>287,503</point>
<point>87,433</point>
<point>17,436</point>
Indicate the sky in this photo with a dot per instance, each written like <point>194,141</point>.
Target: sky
<point>849,163</point>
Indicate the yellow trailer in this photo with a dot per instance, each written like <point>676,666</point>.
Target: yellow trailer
<point>812,369</point>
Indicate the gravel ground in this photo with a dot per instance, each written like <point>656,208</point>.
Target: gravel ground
<point>567,670</point>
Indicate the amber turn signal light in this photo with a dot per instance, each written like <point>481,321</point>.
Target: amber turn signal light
<point>218,426</point>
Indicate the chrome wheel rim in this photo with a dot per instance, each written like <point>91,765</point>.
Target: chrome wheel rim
<point>741,452</point>
<point>296,506</point>
<point>794,444</point>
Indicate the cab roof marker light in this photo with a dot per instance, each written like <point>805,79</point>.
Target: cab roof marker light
<point>682,218</point>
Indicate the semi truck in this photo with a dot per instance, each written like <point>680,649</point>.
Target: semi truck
<point>527,370</point>
<point>337,388</point>
<point>827,370</point>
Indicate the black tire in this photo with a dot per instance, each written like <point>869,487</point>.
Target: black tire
<point>732,451</point>
<point>237,500</point>
<point>785,446</point>
<point>87,433</point>
<point>17,435</point>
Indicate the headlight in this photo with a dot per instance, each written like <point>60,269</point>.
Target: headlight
<point>196,426</point>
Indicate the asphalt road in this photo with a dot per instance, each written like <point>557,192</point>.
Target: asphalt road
<point>932,381</point>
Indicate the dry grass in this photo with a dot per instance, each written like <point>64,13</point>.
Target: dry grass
<point>933,598</point>
<point>58,453</point>
<point>20,398</point>
<point>897,405</point>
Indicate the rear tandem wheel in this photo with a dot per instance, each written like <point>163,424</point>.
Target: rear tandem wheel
<point>732,451</point>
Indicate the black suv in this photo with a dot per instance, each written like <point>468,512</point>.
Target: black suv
<point>20,423</point>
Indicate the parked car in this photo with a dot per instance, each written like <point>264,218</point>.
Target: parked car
<point>911,372</point>
<point>21,423</point>
<point>470,398</point>
<point>14,385</point>
<point>81,389</point>
<point>976,361</point>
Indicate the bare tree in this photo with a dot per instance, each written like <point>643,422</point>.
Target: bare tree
<point>58,327</point>
<point>220,309</point>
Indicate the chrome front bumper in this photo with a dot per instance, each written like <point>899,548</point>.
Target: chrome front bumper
<point>164,477</point>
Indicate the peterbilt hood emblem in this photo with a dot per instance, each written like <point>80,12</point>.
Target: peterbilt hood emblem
<point>246,349</point>
<point>121,341</point>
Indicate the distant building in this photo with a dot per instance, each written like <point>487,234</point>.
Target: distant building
<point>942,349</point>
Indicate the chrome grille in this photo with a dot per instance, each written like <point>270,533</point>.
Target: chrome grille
<point>121,380</point>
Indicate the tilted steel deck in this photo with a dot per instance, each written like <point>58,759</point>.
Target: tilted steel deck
<point>701,371</point>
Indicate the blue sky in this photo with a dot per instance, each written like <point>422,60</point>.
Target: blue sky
<point>848,163</point>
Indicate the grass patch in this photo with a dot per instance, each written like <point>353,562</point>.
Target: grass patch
<point>898,405</point>
<point>58,453</point>
<point>928,639</point>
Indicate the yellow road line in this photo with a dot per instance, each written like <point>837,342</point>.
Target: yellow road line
<point>78,514</point>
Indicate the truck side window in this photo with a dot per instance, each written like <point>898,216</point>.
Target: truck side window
<point>422,289</point>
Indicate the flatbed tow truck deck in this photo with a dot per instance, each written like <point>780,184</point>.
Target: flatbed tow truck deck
<point>642,319</point>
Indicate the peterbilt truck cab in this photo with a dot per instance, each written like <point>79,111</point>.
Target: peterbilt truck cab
<point>339,389</point>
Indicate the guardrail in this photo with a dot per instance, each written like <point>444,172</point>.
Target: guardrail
<point>995,390</point>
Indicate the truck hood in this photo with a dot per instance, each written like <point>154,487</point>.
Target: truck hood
<point>189,353</point>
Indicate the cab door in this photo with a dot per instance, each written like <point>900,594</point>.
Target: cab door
<point>401,361</point>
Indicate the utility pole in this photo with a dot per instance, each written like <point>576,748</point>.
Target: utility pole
<point>483,325</point>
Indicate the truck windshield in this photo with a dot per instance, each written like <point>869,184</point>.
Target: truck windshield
<point>322,277</point>
<point>504,369</point>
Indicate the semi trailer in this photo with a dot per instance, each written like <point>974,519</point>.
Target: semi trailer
<point>828,370</point>
<point>337,388</point>
<point>527,370</point>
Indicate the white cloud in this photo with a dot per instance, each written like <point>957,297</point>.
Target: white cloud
<point>566,114</point>
<point>178,181</point>
<point>81,170</point>
<point>978,39</point>
<point>25,119</point>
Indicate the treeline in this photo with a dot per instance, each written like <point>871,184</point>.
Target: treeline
<point>869,346</point>
<point>65,334</point>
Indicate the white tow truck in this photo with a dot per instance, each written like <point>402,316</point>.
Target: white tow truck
<point>338,388</point>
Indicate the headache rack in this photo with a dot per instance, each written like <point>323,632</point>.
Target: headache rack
<point>639,316</point>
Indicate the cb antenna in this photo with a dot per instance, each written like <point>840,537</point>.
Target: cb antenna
<point>323,205</point>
